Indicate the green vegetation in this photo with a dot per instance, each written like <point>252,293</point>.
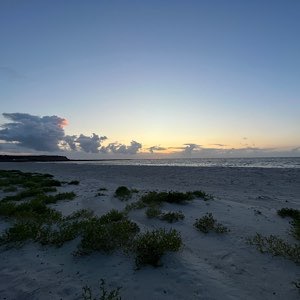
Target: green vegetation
<point>295,215</point>
<point>104,293</point>
<point>151,245</point>
<point>207,223</point>
<point>123,193</point>
<point>153,212</point>
<point>33,220</point>
<point>73,182</point>
<point>276,246</point>
<point>289,212</point>
<point>172,217</point>
<point>156,199</point>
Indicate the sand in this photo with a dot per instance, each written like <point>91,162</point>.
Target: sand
<point>209,266</point>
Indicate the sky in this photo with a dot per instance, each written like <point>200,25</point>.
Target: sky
<point>125,78</point>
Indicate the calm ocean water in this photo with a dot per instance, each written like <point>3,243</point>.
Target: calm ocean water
<point>281,162</point>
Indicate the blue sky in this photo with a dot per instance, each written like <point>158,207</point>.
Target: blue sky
<point>215,74</point>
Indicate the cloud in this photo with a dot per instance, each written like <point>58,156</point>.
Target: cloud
<point>70,141</point>
<point>117,148</point>
<point>219,145</point>
<point>47,134</point>
<point>190,148</point>
<point>297,149</point>
<point>34,132</point>
<point>89,144</point>
<point>156,148</point>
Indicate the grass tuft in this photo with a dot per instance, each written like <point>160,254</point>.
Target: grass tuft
<point>150,246</point>
<point>275,246</point>
<point>207,223</point>
<point>105,294</point>
<point>172,217</point>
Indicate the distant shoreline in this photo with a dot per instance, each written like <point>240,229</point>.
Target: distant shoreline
<point>47,158</point>
<point>32,158</point>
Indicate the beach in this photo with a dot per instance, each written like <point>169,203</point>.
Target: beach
<point>208,266</point>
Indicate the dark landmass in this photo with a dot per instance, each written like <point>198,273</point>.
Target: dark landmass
<point>27,158</point>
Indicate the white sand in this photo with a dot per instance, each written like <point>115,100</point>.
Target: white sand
<point>207,267</point>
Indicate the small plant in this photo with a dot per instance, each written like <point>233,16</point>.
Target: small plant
<point>107,233</point>
<point>155,198</point>
<point>172,216</point>
<point>65,196</point>
<point>104,293</point>
<point>203,195</point>
<point>73,182</point>
<point>207,223</point>
<point>150,246</point>
<point>20,232</point>
<point>276,246</point>
<point>153,212</point>
<point>296,228</point>
<point>295,215</point>
<point>112,216</point>
<point>123,193</point>
<point>289,212</point>
<point>135,205</point>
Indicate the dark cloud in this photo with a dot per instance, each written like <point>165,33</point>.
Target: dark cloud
<point>34,132</point>
<point>89,144</point>
<point>46,133</point>
<point>156,148</point>
<point>70,142</point>
<point>117,148</point>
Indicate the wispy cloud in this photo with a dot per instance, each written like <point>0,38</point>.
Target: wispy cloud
<point>156,148</point>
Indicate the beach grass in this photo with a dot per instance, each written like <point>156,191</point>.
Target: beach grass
<point>150,246</point>
<point>208,223</point>
<point>104,292</point>
<point>276,246</point>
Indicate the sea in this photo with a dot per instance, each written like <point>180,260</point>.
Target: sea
<point>270,162</point>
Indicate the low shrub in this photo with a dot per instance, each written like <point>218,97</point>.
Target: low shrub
<point>289,212</point>
<point>135,205</point>
<point>275,246</point>
<point>157,198</point>
<point>150,246</point>
<point>207,223</point>
<point>172,216</point>
<point>153,212</point>
<point>73,182</point>
<point>20,232</point>
<point>203,195</point>
<point>295,215</point>
<point>123,193</point>
<point>112,216</point>
<point>107,233</point>
<point>296,228</point>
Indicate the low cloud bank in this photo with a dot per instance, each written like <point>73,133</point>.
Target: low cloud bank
<point>47,134</point>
